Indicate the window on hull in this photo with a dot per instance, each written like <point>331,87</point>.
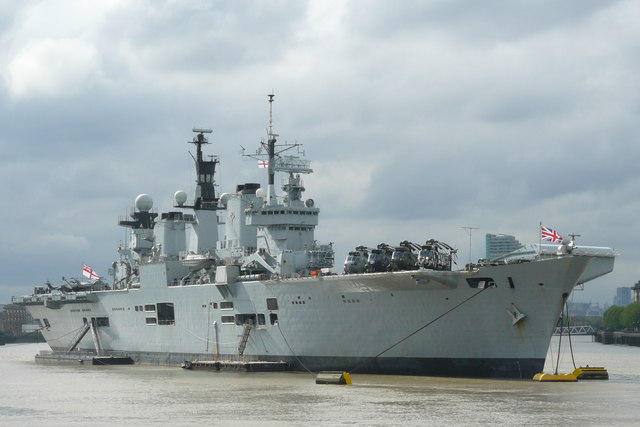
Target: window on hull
<point>481,282</point>
<point>102,321</point>
<point>272,304</point>
<point>244,319</point>
<point>166,314</point>
<point>228,320</point>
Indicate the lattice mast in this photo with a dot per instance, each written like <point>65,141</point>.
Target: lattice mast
<point>271,151</point>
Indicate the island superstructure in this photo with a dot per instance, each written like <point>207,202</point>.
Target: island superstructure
<point>240,276</point>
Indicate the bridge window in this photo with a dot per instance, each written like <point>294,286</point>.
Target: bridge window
<point>261,319</point>
<point>151,321</point>
<point>226,305</point>
<point>273,317</point>
<point>150,307</point>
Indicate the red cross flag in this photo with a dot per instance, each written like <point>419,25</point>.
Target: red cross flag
<point>89,272</point>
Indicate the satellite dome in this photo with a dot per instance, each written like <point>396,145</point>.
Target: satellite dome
<point>144,202</point>
<point>180,197</point>
<point>260,192</point>
<point>224,198</point>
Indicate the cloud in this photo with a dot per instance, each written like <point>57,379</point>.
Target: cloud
<point>471,22</point>
<point>52,68</point>
<point>419,118</point>
<point>45,243</point>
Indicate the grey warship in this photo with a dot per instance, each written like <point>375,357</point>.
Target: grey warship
<point>240,276</point>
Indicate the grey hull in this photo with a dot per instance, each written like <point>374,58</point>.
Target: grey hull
<point>416,323</point>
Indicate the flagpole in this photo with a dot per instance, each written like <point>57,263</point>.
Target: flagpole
<point>540,239</point>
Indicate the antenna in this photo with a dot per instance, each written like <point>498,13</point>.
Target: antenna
<point>271,134</point>
<point>269,155</point>
<point>205,171</point>
<point>469,230</point>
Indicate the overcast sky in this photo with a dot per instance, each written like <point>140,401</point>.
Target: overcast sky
<point>420,118</point>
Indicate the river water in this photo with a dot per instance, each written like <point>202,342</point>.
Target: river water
<point>34,394</point>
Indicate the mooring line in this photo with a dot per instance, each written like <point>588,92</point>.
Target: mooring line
<point>424,326</point>
<point>292,352</point>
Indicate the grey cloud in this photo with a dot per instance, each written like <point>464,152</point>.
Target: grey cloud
<point>491,114</point>
<point>203,37</point>
<point>473,21</point>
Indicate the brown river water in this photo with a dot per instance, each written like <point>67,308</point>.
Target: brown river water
<point>34,394</point>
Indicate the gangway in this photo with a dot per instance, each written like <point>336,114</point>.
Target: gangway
<point>245,338</point>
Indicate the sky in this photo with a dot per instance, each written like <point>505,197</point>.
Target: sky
<point>420,118</point>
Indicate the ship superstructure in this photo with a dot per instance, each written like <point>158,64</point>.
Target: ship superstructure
<point>240,275</point>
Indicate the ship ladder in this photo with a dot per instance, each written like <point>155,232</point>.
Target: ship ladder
<point>96,338</point>
<point>81,333</point>
<point>245,338</point>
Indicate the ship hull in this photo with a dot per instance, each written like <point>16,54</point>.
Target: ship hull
<point>496,321</point>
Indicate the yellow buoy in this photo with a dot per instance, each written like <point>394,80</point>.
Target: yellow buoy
<point>333,377</point>
<point>591,373</point>
<point>542,377</point>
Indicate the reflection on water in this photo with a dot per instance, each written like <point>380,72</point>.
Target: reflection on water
<point>58,394</point>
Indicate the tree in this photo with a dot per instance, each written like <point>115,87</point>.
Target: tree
<point>611,317</point>
<point>630,316</point>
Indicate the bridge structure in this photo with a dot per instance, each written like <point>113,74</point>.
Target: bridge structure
<point>574,330</point>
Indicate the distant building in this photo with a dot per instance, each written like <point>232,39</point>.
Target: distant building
<point>498,245</point>
<point>636,291</point>
<point>623,296</point>
<point>12,317</point>
<point>585,309</point>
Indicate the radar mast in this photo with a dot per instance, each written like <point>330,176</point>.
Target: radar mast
<point>271,151</point>
<point>205,197</point>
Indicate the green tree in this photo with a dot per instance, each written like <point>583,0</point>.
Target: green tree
<point>630,316</point>
<point>611,317</point>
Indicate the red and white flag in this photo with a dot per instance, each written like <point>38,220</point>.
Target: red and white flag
<point>262,164</point>
<point>89,272</point>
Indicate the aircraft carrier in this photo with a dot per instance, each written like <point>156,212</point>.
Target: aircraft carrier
<point>240,276</point>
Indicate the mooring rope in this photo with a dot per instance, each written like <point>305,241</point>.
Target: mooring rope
<point>569,334</point>
<point>424,326</point>
<point>292,352</point>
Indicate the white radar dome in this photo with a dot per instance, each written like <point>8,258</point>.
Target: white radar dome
<point>144,202</point>
<point>224,198</point>
<point>180,197</point>
<point>260,193</point>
